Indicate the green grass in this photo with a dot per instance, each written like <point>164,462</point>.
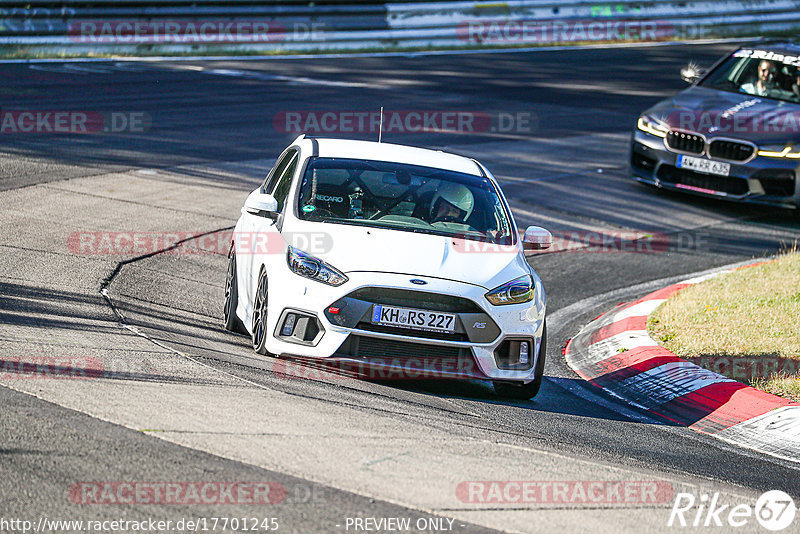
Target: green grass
<point>751,315</point>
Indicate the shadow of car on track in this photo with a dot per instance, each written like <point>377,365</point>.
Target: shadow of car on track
<point>555,397</point>
<point>777,216</point>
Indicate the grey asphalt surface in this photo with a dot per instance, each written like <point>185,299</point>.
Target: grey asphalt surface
<point>217,123</point>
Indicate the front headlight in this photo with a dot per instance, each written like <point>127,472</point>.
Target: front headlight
<point>652,126</point>
<point>514,292</point>
<point>304,264</point>
<point>780,151</point>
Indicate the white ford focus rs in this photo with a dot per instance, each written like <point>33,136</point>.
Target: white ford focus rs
<point>384,256</point>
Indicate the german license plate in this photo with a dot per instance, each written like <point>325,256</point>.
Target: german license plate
<point>704,165</point>
<point>416,319</point>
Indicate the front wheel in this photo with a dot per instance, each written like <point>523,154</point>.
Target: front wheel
<point>260,315</point>
<point>231,321</point>
<point>520,390</point>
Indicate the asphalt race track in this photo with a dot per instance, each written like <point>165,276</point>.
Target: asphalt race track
<point>178,399</point>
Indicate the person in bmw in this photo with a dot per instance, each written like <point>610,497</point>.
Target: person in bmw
<point>734,134</point>
<point>766,80</point>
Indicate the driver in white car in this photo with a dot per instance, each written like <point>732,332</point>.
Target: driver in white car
<point>452,203</point>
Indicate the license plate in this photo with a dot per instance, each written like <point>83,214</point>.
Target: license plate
<point>416,319</point>
<point>704,165</point>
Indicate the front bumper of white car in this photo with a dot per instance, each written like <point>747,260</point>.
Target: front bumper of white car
<point>312,320</point>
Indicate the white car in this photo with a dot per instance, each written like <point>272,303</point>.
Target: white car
<point>388,257</point>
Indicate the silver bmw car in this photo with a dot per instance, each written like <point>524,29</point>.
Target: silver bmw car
<point>734,134</point>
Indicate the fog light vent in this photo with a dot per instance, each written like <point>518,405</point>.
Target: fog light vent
<point>288,325</point>
<point>523,353</point>
<point>514,354</point>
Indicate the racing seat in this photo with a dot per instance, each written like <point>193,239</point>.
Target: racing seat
<point>332,198</point>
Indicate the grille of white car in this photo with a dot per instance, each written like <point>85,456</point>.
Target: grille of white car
<point>416,299</point>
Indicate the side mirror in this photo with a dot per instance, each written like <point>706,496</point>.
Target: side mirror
<point>537,238</point>
<point>692,72</point>
<point>261,204</point>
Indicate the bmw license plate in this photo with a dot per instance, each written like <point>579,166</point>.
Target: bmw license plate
<point>704,165</point>
<point>416,319</point>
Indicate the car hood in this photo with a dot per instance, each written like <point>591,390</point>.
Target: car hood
<point>357,248</point>
<point>717,113</point>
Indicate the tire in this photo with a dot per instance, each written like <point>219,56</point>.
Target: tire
<point>260,332</point>
<point>520,390</point>
<point>231,321</point>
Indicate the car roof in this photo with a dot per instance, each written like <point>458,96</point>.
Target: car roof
<point>353,149</point>
<point>783,46</point>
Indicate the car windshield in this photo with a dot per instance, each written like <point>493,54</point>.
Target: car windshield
<point>404,197</point>
<point>759,73</point>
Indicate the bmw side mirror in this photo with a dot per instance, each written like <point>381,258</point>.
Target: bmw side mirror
<point>261,204</point>
<point>537,238</point>
<point>692,72</point>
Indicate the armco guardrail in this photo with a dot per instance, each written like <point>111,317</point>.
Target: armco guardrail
<point>206,26</point>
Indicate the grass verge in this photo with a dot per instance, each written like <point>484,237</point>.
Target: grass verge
<point>744,325</point>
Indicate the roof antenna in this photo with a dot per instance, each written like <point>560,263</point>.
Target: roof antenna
<point>380,126</point>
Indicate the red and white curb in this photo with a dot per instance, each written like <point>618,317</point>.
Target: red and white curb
<point>615,353</point>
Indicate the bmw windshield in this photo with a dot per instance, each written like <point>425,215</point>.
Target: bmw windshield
<point>758,73</point>
<point>403,197</point>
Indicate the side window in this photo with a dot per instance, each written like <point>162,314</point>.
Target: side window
<point>277,171</point>
<point>285,182</point>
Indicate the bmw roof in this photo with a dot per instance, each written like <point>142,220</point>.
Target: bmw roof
<point>789,46</point>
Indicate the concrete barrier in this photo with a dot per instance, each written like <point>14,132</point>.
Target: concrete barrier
<point>206,26</point>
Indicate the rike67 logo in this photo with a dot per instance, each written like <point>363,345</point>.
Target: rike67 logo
<point>774,510</point>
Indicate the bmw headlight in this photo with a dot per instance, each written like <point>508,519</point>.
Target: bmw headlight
<point>780,151</point>
<point>304,264</point>
<point>516,291</point>
<point>652,126</point>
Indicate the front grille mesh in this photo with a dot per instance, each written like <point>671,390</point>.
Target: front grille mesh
<point>415,299</point>
<point>448,336</point>
<point>730,150</point>
<point>724,184</point>
<point>685,142</point>
<point>381,349</point>
<point>417,360</point>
